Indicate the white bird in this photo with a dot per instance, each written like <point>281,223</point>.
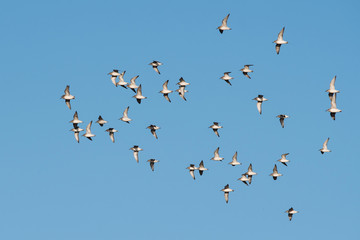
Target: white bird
<point>282,118</point>
<point>216,155</point>
<point>182,92</point>
<point>280,41</point>
<point>136,150</point>
<point>275,174</point>
<point>215,128</point>
<point>224,26</point>
<point>202,168</point>
<point>155,65</point>
<point>227,77</point>
<point>226,191</point>
<point>115,72</point>
<point>121,81</point>
<point>101,121</point>
<point>111,132</point>
<point>153,129</point>
<point>333,109</point>
<point>165,91</point>
<point>76,120</point>
<point>246,70</point>
<point>192,168</point>
<point>234,161</point>
<point>283,159</point>
<point>291,212</point>
<point>132,85</point>
<point>325,148</point>
<point>182,82</point>
<point>250,173</point>
<point>139,95</point>
<point>244,178</point>
<point>88,133</point>
<point>332,89</point>
<point>260,99</point>
<point>152,162</point>
<point>125,117</point>
<point>76,131</point>
<point>67,96</point>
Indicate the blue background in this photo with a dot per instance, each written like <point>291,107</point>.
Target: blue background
<point>51,187</point>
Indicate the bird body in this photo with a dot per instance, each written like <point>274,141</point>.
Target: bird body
<point>325,149</point>
<point>227,77</point>
<point>291,212</point>
<point>216,155</point>
<point>246,70</point>
<point>88,133</point>
<point>226,191</point>
<point>152,163</point>
<point>260,99</point>
<point>125,117</point>
<point>275,174</point>
<point>282,117</point>
<point>75,120</point>
<point>192,168</point>
<point>121,81</point>
<point>153,129</point>
<point>155,65</point>
<point>280,41</point>
<point>224,25</point>
<point>215,128</point>
<point>283,159</point>
<point>111,132</point>
<point>136,149</point>
<point>67,96</point>
<point>202,168</point>
<point>139,95</point>
<point>234,161</point>
<point>165,91</point>
<point>101,121</point>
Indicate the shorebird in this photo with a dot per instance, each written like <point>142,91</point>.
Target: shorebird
<point>224,26</point>
<point>325,148</point>
<point>75,120</point>
<point>260,99</point>
<point>121,81</point>
<point>152,162</point>
<point>227,78</point>
<point>283,159</point>
<point>165,91</point>
<point>182,83</point>
<point>250,173</point>
<point>153,129</point>
<point>67,96</point>
<point>244,179</point>
<point>201,168</point>
<point>139,95</point>
<point>155,65</point>
<point>132,85</point>
<point>192,168</point>
<point>215,128</point>
<point>279,41</point>
<point>282,118</point>
<point>76,131</point>
<point>125,117</point>
<point>226,191</point>
<point>332,89</point>
<point>182,92</point>
<point>101,121</point>
<point>275,174</point>
<point>246,70</point>
<point>136,150</point>
<point>333,109</point>
<point>111,132</point>
<point>115,72</point>
<point>290,213</point>
<point>234,161</point>
<point>216,155</point>
<point>88,133</point>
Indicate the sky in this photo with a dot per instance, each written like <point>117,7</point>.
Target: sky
<point>52,187</point>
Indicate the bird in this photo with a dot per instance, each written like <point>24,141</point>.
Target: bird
<point>192,168</point>
<point>139,95</point>
<point>246,70</point>
<point>132,85</point>
<point>182,82</point>
<point>153,129</point>
<point>260,99</point>
<point>111,132</point>
<point>76,120</point>
<point>215,128</point>
<point>275,174</point>
<point>234,161</point>
<point>136,150</point>
<point>76,131</point>
<point>283,159</point>
<point>227,78</point>
<point>182,92</point>
<point>67,96</point>
<point>280,41</point>
<point>88,133</point>
<point>125,117</point>
<point>201,168</point>
<point>216,155</point>
<point>152,162</point>
<point>244,178</point>
<point>113,80</point>
<point>250,173</point>
<point>165,91</point>
<point>224,26</point>
<point>155,65</point>
<point>226,191</point>
<point>115,72</point>
<point>101,121</point>
<point>332,89</point>
<point>291,212</point>
<point>282,118</point>
<point>333,109</point>
<point>325,148</point>
<point>121,81</point>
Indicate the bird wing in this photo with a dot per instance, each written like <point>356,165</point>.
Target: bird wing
<point>76,116</point>
<point>277,47</point>
<point>133,79</point>
<point>136,156</point>
<point>152,165</point>
<point>113,80</point>
<point>76,136</point>
<point>68,104</point>
<point>153,132</point>
<point>165,85</point>
<point>281,34</point>
<point>112,136</point>
<point>284,155</point>
<point>332,83</point>
<point>325,143</point>
<point>67,90</point>
<point>166,96</point>
<point>138,91</point>
<point>192,174</point>
<point>88,127</point>
<point>216,153</point>
<point>125,114</point>
<point>156,69</point>
<point>226,195</point>
<point>275,169</point>
<point>258,105</point>
<point>333,101</point>
<point>224,21</point>
<point>282,122</point>
<point>234,158</point>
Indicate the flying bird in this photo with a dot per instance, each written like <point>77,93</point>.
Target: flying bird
<point>227,78</point>
<point>125,117</point>
<point>260,99</point>
<point>182,92</point>
<point>111,132</point>
<point>244,179</point>
<point>325,148</point>
<point>226,191</point>
<point>280,41</point>
<point>88,133</point>
<point>76,120</point>
<point>114,74</point>
<point>332,89</point>
<point>283,159</point>
<point>246,70</point>
<point>182,82</point>
<point>250,173</point>
<point>282,118</point>
<point>67,96</point>
<point>224,26</point>
<point>153,129</point>
<point>155,65</point>
<point>234,161</point>
<point>152,162</point>
<point>290,213</point>
<point>165,91</point>
<point>215,128</point>
<point>201,168</point>
<point>76,131</point>
<point>101,121</point>
<point>333,109</point>
<point>139,95</point>
<point>132,85</point>
<point>275,174</point>
<point>121,81</point>
<point>216,155</point>
<point>192,168</point>
<point>136,149</point>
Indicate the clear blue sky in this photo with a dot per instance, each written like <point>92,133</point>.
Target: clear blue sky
<point>53,188</point>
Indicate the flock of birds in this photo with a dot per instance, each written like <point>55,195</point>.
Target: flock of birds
<point>246,177</point>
